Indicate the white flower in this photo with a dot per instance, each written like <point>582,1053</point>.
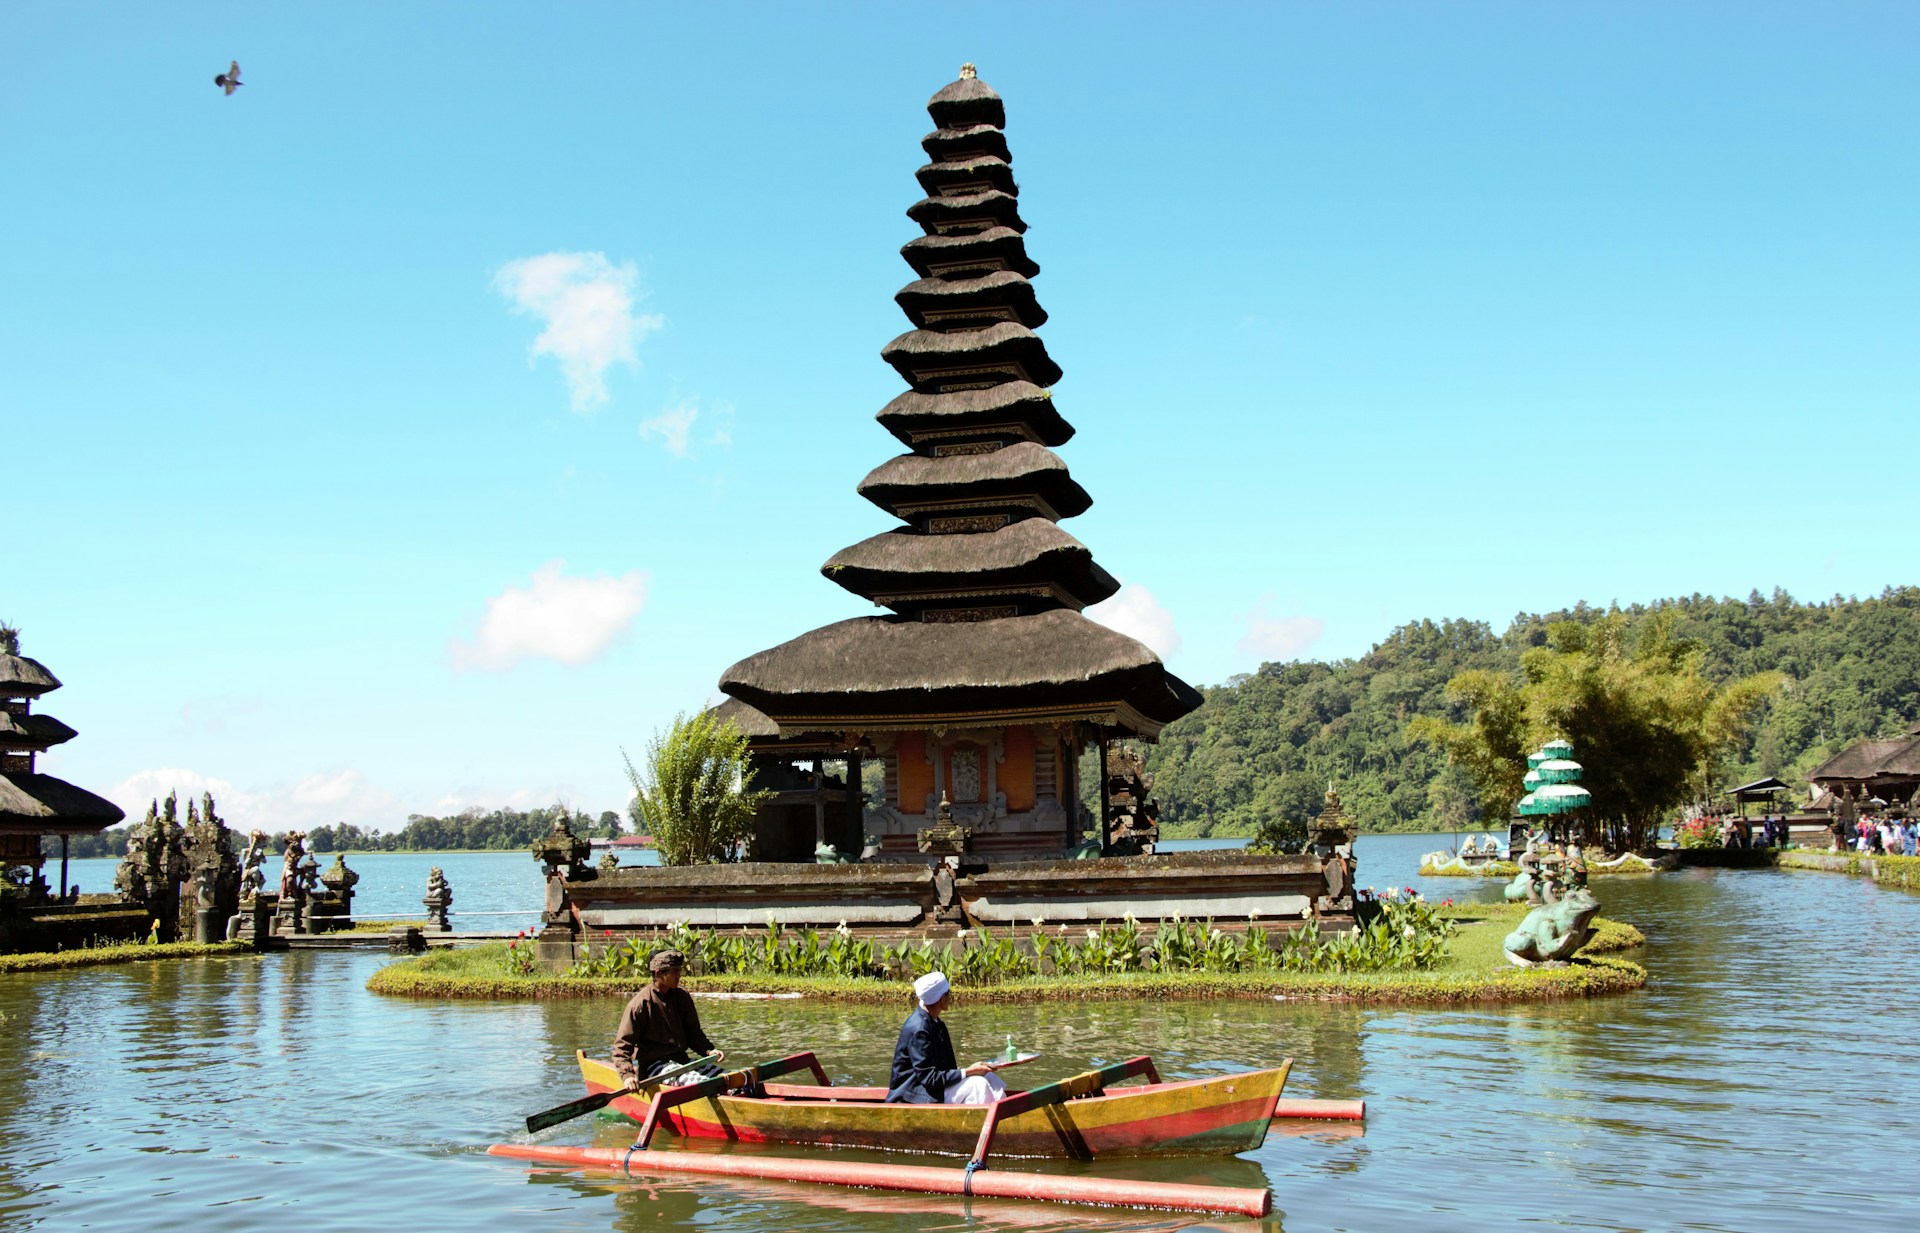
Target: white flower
<point>963,933</point>
<point>1039,922</point>
<point>1408,931</point>
<point>842,930</point>
<point>1093,935</point>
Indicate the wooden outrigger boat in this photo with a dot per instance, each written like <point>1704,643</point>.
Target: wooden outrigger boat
<point>1079,1118</point>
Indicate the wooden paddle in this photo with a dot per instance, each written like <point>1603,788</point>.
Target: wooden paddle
<point>599,1100</point>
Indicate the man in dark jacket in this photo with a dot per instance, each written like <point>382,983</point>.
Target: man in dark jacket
<point>924,1069</point>
<point>659,1025</point>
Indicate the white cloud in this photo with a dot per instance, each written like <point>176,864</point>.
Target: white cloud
<point>568,620</point>
<point>1137,614</point>
<point>319,799</point>
<point>586,304</point>
<point>1276,639</point>
<point>672,427</point>
<point>487,801</point>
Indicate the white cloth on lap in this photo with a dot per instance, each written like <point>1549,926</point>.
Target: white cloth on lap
<point>976,1090</point>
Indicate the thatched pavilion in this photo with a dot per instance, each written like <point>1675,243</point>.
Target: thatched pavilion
<point>33,805</point>
<point>1888,769</point>
<point>984,681</point>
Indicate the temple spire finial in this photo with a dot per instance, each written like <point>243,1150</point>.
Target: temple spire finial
<point>968,72</point>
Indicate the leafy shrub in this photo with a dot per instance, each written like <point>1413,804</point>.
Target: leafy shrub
<point>1400,932</point>
<point>1699,833</point>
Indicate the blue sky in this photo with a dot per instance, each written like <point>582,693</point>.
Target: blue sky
<point>448,408</point>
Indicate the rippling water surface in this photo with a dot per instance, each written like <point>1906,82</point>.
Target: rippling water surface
<point>1764,1081</point>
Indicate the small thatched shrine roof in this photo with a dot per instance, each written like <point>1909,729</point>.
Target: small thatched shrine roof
<point>34,732</point>
<point>874,672</point>
<point>980,252</point>
<point>1010,402</point>
<point>943,303</point>
<point>939,178</point>
<point>21,677</point>
<point>903,565</point>
<point>929,359</point>
<point>966,102</point>
<point>972,211</point>
<point>1023,469</point>
<point>42,804</point>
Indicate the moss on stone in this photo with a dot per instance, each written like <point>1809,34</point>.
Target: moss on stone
<point>94,956</point>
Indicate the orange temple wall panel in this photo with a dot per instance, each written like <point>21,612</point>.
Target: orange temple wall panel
<point>916,773</point>
<point>1016,769</point>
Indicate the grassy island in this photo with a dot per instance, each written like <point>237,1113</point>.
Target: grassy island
<point>1473,969</point>
<point>130,952</point>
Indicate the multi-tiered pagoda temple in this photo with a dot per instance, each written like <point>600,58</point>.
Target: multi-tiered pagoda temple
<point>984,681</point>
<point>33,805</point>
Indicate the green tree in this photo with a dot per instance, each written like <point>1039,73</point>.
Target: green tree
<point>1646,721</point>
<point>696,798</point>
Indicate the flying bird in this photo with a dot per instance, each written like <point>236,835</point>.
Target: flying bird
<point>230,80</point>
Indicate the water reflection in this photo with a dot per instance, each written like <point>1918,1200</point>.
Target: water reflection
<point>1762,1082</point>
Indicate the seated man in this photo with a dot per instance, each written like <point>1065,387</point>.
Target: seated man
<point>659,1025</point>
<point>924,1069</point>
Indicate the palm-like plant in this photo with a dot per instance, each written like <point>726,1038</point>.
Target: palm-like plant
<point>696,798</point>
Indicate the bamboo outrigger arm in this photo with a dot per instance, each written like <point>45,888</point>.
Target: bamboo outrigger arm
<point>731,1081</point>
<point>1088,1083</point>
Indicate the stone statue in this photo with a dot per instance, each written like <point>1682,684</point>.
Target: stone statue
<point>1552,932</point>
<point>1533,883</point>
<point>1470,849</point>
<point>439,898</point>
<point>826,854</point>
<point>609,862</point>
<point>290,864</point>
<point>252,878</point>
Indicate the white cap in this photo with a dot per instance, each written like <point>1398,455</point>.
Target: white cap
<point>930,988</point>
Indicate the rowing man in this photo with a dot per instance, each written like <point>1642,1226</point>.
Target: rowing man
<point>924,1069</point>
<point>659,1025</point>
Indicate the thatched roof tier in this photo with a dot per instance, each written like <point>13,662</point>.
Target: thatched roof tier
<point>745,718</point>
<point>875,673</point>
<point>906,568</point>
<point>965,175</point>
<point>41,804</point>
<point>1005,351</point>
<point>1868,760</point>
<point>21,677</point>
<point>969,214</point>
<point>966,102</point>
<point>1022,404</point>
<point>970,303</point>
<point>948,145</point>
<point>32,732</point>
<point>904,485</point>
<point>969,256</point>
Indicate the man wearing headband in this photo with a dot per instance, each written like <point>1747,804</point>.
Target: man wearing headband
<point>924,1069</point>
<point>659,1025</point>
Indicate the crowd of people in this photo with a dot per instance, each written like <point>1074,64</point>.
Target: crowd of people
<point>1877,836</point>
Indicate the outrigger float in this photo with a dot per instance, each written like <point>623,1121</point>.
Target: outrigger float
<point>1078,1118</point>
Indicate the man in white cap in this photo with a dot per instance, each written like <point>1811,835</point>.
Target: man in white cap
<point>924,1069</point>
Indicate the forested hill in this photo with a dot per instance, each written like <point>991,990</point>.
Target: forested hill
<point>1265,744</point>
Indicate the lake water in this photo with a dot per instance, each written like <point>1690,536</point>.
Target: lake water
<point>1765,1080</point>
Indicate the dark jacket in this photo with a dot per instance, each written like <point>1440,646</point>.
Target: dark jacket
<point>658,1025</point>
<point>923,1063</point>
